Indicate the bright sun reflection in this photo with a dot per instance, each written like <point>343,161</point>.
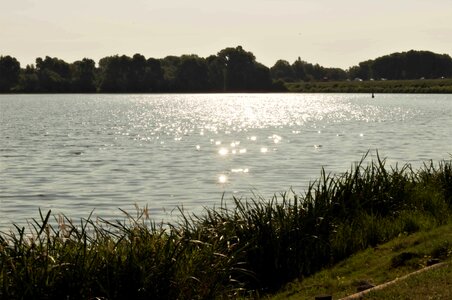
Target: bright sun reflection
<point>276,138</point>
<point>222,178</point>
<point>240,170</point>
<point>223,151</point>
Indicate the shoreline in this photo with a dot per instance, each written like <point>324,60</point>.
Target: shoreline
<point>253,248</point>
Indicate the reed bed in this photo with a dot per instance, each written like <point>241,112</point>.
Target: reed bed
<point>432,86</point>
<point>248,248</point>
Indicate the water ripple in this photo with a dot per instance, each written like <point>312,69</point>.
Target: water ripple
<point>76,153</point>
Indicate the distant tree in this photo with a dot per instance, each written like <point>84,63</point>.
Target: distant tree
<point>216,69</point>
<point>363,70</point>
<point>307,71</point>
<point>154,75</point>
<point>130,74</point>
<point>114,74</point>
<point>9,73</point>
<point>318,72</point>
<point>390,66</point>
<point>442,66</point>
<point>406,65</point>
<point>298,68</point>
<point>260,79</point>
<point>54,75</point>
<point>136,77</point>
<point>427,64</point>
<point>282,70</point>
<point>242,72</point>
<point>192,74</point>
<point>335,74</point>
<point>231,70</point>
<point>238,67</point>
<point>353,72</point>
<point>170,64</point>
<point>83,76</point>
<point>28,80</point>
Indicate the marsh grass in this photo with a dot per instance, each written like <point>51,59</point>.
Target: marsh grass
<point>436,86</point>
<point>248,249</point>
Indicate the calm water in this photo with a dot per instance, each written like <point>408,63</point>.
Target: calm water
<point>78,153</point>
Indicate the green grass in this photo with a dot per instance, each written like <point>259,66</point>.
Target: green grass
<point>432,284</point>
<point>377,86</point>
<point>249,248</point>
<point>377,265</point>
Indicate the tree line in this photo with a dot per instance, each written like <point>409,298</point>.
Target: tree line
<point>230,70</point>
<point>405,65</point>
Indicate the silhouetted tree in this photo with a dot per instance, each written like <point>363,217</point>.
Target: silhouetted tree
<point>363,70</point>
<point>242,73</point>
<point>154,75</point>
<point>170,64</point>
<point>238,67</point>
<point>191,74</point>
<point>318,72</point>
<point>216,69</point>
<point>282,70</point>
<point>136,77</point>
<point>298,68</point>
<point>9,73</point>
<point>129,75</point>
<point>260,79</point>
<point>231,70</point>
<point>54,75</point>
<point>336,74</point>
<point>83,76</point>
<point>28,80</point>
<point>405,65</point>
<point>114,74</point>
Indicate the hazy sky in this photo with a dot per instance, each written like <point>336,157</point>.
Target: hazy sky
<point>332,33</point>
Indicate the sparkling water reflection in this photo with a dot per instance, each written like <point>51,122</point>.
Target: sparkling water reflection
<point>76,153</point>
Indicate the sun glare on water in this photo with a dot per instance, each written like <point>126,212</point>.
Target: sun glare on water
<point>222,178</point>
<point>223,151</point>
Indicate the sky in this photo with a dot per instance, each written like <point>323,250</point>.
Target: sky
<point>332,33</point>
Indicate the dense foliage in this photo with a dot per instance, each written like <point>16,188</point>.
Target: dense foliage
<point>405,65</point>
<point>9,73</point>
<point>254,247</point>
<point>230,70</point>
<point>304,71</point>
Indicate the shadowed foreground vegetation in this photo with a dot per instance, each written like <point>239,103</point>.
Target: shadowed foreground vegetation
<point>249,249</point>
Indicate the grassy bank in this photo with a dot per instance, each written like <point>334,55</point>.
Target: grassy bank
<point>249,249</point>
<point>386,262</point>
<point>378,86</point>
<point>433,284</point>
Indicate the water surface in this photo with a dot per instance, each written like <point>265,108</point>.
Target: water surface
<point>78,153</point>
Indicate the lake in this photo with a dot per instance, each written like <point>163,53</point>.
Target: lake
<point>77,153</point>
